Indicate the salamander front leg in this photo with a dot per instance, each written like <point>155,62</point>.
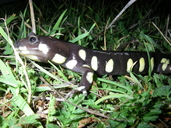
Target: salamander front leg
<point>86,81</point>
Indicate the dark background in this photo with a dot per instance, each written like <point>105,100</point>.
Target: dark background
<point>159,7</point>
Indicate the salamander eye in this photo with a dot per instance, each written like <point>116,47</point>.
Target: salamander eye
<point>33,39</point>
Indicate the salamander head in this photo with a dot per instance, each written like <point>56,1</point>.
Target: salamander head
<point>42,48</point>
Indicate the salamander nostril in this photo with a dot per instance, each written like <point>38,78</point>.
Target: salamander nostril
<point>16,45</point>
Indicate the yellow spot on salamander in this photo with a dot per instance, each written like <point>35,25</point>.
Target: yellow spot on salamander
<point>89,77</point>
<point>109,66</point>
<point>86,66</point>
<point>164,60</point>
<point>81,88</point>
<point>82,54</point>
<point>59,59</point>
<point>152,64</point>
<point>94,63</point>
<point>32,57</point>
<point>43,48</point>
<point>141,64</point>
<point>71,64</point>
<point>165,63</point>
<point>23,50</point>
<point>129,65</point>
<point>164,66</point>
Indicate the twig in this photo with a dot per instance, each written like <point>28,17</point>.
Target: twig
<point>163,123</point>
<point>161,34</point>
<point>167,25</point>
<point>121,12</point>
<point>32,16</point>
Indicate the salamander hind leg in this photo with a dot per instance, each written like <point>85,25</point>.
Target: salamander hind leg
<point>86,80</point>
<point>164,68</point>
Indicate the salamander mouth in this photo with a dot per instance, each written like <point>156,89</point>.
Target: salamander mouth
<point>35,55</point>
<point>30,52</point>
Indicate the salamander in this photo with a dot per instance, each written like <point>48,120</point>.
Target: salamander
<point>88,61</point>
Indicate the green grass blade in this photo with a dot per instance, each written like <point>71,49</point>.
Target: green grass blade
<point>113,90</point>
<point>23,105</point>
<point>112,96</point>
<point>46,72</point>
<point>59,71</point>
<point>2,32</point>
<point>58,23</point>
<point>116,84</point>
<point>8,21</point>
<point>47,88</point>
<point>8,77</point>
<point>135,79</point>
<point>81,36</point>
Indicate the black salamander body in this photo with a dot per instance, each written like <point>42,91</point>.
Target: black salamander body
<point>88,61</point>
